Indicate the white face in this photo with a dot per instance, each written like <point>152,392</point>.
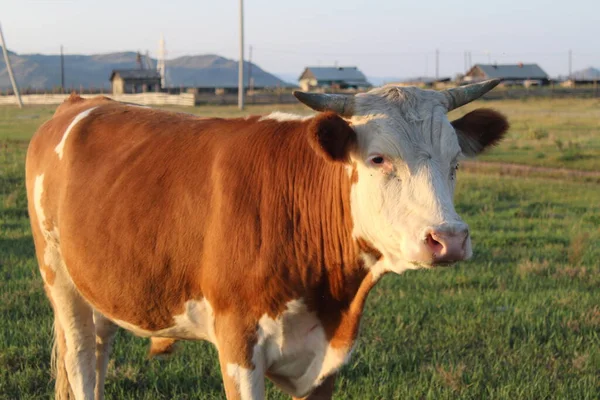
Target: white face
<point>406,158</point>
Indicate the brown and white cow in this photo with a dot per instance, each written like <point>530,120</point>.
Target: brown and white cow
<point>262,235</point>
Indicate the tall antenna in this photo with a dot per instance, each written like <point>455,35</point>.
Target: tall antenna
<point>10,71</point>
<point>161,66</point>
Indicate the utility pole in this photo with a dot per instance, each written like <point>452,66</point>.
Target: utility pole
<point>161,63</point>
<point>62,70</point>
<point>570,63</point>
<point>241,64</point>
<point>9,69</point>
<point>437,64</point>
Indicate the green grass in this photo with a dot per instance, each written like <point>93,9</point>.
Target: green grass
<point>519,321</point>
<point>559,133</point>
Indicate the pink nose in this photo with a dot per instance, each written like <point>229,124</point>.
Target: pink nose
<point>447,246</point>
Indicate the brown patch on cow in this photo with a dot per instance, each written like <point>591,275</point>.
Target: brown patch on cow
<point>49,274</point>
<point>354,175</point>
<point>162,208</point>
<point>331,136</point>
<point>367,247</point>
<point>342,327</point>
<point>480,129</point>
<point>76,102</point>
<point>161,346</point>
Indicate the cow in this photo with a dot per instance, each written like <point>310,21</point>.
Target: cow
<point>262,235</point>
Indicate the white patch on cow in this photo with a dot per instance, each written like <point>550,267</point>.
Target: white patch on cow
<point>75,318</point>
<point>38,190</point>
<point>249,382</point>
<point>197,322</point>
<point>52,255</point>
<point>137,105</point>
<point>295,348</point>
<point>394,210</point>
<point>59,149</point>
<point>282,117</point>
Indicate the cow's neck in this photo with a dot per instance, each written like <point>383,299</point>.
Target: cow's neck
<point>324,243</point>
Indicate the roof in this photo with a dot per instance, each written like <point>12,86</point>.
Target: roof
<point>512,71</point>
<point>135,74</point>
<point>347,74</point>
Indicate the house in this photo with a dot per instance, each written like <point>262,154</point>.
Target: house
<point>512,74</point>
<point>135,81</point>
<point>333,77</point>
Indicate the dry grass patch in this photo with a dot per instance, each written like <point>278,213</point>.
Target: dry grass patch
<point>580,361</point>
<point>592,317</point>
<point>531,267</point>
<point>571,272</point>
<point>573,325</point>
<point>452,376</point>
<point>578,247</point>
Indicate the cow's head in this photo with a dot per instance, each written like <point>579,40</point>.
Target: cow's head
<point>406,154</point>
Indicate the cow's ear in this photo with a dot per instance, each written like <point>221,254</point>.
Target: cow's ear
<point>331,137</point>
<point>479,129</point>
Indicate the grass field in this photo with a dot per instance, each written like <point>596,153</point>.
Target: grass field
<point>521,320</point>
<point>560,133</point>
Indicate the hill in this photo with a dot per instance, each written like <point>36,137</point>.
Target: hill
<point>42,71</point>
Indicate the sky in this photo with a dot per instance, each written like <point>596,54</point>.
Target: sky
<point>384,38</point>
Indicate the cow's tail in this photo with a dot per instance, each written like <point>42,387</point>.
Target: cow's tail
<point>62,388</point>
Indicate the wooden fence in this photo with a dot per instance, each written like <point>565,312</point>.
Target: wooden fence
<point>286,97</point>
<point>183,99</point>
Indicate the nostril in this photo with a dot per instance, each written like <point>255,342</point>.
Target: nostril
<point>435,246</point>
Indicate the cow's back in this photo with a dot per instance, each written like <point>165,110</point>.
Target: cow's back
<point>128,192</point>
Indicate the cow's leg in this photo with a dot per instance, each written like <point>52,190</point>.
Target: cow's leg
<point>105,336</point>
<point>75,319</point>
<point>242,363</point>
<point>323,392</point>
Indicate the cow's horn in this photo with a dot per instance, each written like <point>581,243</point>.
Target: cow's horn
<point>456,97</point>
<point>342,104</point>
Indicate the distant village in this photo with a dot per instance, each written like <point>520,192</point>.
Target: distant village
<point>212,79</point>
<point>351,78</point>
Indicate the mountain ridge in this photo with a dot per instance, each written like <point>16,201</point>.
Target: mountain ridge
<point>42,71</point>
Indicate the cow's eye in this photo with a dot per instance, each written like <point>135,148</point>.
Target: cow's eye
<point>381,163</point>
